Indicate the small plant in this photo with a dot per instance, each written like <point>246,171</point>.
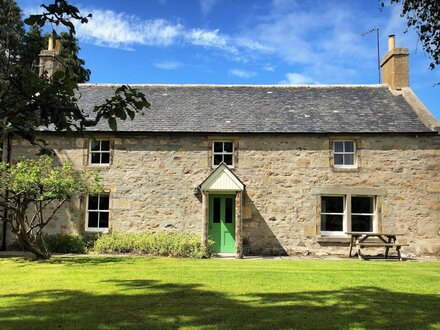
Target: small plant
<point>158,244</point>
<point>62,243</point>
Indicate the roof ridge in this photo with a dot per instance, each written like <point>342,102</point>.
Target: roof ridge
<point>236,85</point>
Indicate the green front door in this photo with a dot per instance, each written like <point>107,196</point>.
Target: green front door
<point>222,222</point>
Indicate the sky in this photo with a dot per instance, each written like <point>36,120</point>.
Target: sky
<point>245,42</point>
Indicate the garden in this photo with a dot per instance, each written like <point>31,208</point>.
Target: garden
<point>107,292</point>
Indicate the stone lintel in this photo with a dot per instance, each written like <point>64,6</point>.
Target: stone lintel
<point>338,190</point>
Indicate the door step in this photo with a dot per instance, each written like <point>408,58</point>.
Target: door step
<point>225,255</point>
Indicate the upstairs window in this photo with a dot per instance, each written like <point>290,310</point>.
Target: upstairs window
<point>344,153</point>
<point>97,213</point>
<point>222,152</point>
<point>99,152</point>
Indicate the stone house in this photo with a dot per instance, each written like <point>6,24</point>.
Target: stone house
<point>281,169</point>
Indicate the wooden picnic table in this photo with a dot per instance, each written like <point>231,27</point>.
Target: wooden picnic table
<point>385,240</point>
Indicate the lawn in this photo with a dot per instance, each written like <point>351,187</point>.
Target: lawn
<point>149,293</point>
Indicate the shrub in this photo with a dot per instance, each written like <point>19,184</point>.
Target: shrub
<point>63,243</point>
<point>157,244</point>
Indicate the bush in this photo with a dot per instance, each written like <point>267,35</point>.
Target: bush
<point>157,244</point>
<point>63,243</point>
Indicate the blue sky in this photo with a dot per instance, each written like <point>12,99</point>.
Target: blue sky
<point>245,42</point>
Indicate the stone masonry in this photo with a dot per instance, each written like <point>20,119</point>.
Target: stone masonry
<point>152,177</point>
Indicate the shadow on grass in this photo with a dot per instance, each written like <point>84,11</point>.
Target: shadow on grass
<point>151,304</point>
<point>74,260</point>
<point>88,260</point>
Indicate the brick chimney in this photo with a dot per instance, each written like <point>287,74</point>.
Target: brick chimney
<point>50,59</point>
<point>395,68</point>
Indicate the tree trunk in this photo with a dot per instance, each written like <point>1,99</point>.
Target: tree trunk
<point>32,247</point>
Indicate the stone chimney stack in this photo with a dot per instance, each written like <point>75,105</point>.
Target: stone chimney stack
<point>50,59</point>
<point>395,68</point>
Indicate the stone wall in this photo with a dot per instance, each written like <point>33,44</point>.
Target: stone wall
<point>151,182</point>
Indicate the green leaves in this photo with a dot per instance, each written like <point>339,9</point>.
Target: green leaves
<point>127,101</point>
<point>424,17</point>
<point>58,13</point>
<point>39,179</point>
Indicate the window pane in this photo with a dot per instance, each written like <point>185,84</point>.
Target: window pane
<point>228,146</point>
<point>93,202</point>
<point>216,210</point>
<point>103,220</point>
<point>339,146</point>
<point>332,204</point>
<point>228,210</point>
<point>218,146</point>
<point>361,222</point>
<point>339,159</point>
<point>331,222</point>
<point>105,145</point>
<point>227,159</point>
<point>94,145</point>
<point>103,202</point>
<point>95,158</point>
<point>349,146</point>
<point>362,205</point>
<point>348,159</point>
<point>218,159</point>
<point>93,219</point>
<point>105,158</point>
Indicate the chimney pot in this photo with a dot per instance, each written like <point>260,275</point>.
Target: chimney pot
<point>391,42</point>
<point>50,43</point>
<point>57,46</point>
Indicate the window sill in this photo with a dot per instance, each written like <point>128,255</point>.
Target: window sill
<point>345,169</point>
<point>333,239</point>
<point>93,230</point>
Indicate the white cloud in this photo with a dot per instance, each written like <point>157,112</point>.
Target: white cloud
<point>269,67</point>
<point>207,5</point>
<point>168,65</point>
<point>120,30</point>
<point>242,73</point>
<point>205,38</point>
<point>294,78</point>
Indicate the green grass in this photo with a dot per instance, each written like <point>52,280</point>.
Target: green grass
<point>149,293</point>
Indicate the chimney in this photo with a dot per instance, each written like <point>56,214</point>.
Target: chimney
<point>50,59</point>
<point>395,68</point>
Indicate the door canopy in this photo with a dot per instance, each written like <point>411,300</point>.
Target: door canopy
<point>222,179</point>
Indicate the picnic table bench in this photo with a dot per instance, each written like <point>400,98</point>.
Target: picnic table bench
<point>385,240</point>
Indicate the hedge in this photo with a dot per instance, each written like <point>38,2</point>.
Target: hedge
<point>156,244</point>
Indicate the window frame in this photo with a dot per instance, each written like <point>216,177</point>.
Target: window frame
<point>100,152</point>
<point>344,215</point>
<point>97,229</point>
<point>354,153</point>
<point>373,215</point>
<point>347,215</point>
<point>213,153</point>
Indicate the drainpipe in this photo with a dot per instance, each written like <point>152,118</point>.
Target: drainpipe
<point>5,211</point>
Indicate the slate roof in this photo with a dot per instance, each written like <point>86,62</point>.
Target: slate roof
<point>263,109</point>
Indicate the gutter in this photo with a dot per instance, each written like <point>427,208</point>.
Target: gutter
<point>5,211</point>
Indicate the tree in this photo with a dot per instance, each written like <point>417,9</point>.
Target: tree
<point>36,192</point>
<point>11,35</point>
<point>424,17</point>
<point>33,43</point>
<point>29,102</point>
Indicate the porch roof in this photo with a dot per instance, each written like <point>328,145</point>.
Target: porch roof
<point>222,179</point>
